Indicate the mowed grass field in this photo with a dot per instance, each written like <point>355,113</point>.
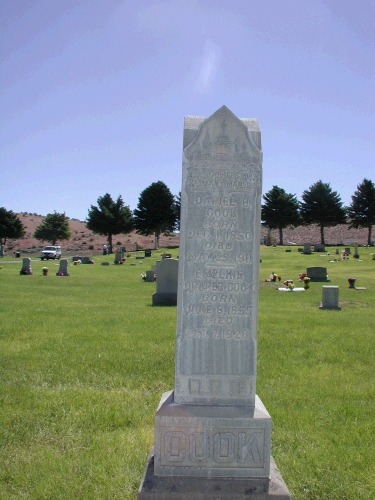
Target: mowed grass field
<point>84,360</point>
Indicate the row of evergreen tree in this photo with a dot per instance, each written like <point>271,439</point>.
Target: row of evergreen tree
<point>320,205</point>
<point>158,212</point>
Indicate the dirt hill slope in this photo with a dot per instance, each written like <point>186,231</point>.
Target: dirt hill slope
<point>85,242</point>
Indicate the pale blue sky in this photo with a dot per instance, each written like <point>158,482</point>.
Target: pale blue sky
<point>94,92</point>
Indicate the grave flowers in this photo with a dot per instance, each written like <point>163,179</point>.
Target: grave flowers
<point>351,282</point>
<point>289,284</point>
<point>45,271</point>
<point>306,281</point>
<point>24,271</point>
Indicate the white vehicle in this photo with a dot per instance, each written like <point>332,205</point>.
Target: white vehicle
<point>51,252</point>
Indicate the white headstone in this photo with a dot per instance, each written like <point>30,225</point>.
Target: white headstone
<point>26,266</point>
<point>213,426</point>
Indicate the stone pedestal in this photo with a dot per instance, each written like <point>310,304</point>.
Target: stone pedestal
<point>185,488</point>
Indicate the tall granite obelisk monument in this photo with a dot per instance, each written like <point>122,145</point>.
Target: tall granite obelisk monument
<point>212,433</point>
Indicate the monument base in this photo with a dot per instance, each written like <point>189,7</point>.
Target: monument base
<point>164,299</point>
<point>183,488</point>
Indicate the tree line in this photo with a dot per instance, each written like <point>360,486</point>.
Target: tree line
<point>320,205</point>
<point>158,212</point>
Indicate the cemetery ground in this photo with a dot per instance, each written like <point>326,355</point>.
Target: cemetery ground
<point>85,358</point>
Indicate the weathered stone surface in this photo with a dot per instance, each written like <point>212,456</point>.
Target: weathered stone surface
<point>207,440</point>
<point>166,282</point>
<point>330,297</point>
<point>219,261</point>
<point>186,488</point>
<point>212,433</point>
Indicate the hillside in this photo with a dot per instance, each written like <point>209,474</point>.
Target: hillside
<point>85,242</point>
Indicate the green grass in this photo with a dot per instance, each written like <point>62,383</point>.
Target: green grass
<point>84,360</point>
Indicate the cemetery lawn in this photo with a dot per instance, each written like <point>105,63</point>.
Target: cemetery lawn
<point>84,360</point>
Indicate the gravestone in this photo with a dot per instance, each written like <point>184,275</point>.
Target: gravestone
<point>148,253</point>
<point>347,250</point>
<point>105,263</point>
<point>307,248</point>
<point>317,273</point>
<point>63,269</point>
<point>119,255</point>
<point>166,256</point>
<point>212,433</point>
<point>85,259</point>
<point>26,266</point>
<point>356,254</point>
<point>166,283</point>
<point>319,247</point>
<point>150,276</point>
<point>76,258</point>
<point>330,298</point>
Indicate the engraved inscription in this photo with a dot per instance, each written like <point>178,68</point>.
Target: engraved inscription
<point>214,448</point>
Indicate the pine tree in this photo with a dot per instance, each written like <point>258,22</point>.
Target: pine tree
<point>53,228</point>
<point>156,211</point>
<point>280,210</point>
<point>361,211</point>
<point>10,227</point>
<point>322,206</point>
<point>109,218</point>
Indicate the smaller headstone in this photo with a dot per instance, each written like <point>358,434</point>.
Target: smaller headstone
<point>317,273</point>
<point>147,253</point>
<point>85,260</point>
<point>76,258</point>
<point>307,248</point>
<point>347,250</point>
<point>319,248</point>
<point>26,266</point>
<point>330,298</point>
<point>105,263</point>
<point>166,256</point>
<point>63,269</point>
<point>288,250</point>
<point>166,283</point>
<point>300,249</point>
<point>150,276</point>
<point>356,254</point>
<point>119,257</point>
<point>337,251</point>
